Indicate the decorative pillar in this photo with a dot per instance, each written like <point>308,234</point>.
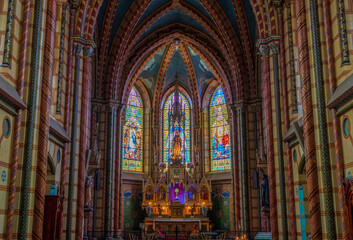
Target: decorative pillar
<point>244,168</point>
<point>43,138</point>
<point>235,168</point>
<point>118,167</point>
<point>320,94</point>
<point>343,33</point>
<point>67,115</point>
<point>61,56</point>
<point>109,169</point>
<point>274,51</point>
<point>77,51</point>
<point>17,131</point>
<point>31,112</point>
<point>308,118</point>
<point>8,35</point>
<point>85,98</point>
<point>269,140</point>
<point>292,214</point>
<point>336,123</point>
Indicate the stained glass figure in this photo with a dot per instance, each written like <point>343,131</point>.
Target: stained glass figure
<point>219,129</point>
<point>133,133</point>
<point>176,129</point>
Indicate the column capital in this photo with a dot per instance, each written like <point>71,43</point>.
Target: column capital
<point>88,46</point>
<point>268,46</point>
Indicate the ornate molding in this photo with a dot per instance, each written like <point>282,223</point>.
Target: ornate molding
<point>268,46</point>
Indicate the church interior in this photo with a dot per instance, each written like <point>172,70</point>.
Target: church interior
<point>176,119</point>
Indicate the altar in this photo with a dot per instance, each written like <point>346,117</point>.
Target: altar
<point>184,224</point>
<point>178,196</point>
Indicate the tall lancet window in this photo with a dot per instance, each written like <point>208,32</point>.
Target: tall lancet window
<point>176,129</point>
<point>133,133</point>
<point>220,130</point>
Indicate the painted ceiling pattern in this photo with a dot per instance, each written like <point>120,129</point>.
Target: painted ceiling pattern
<point>136,40</point>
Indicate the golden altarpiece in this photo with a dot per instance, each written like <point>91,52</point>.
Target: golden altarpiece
<point>176,196</point>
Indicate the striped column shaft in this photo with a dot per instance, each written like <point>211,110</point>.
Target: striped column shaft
<point>320,94</point>
<point>61,55</point>
<point>66,117</point>
<point>43,138</point>
<point>8,34</point>
<point>83,142</point>
<point>282,181</point>
<point>292,215</point>
<point>336,123</point>
<point>244,169</point>
<point>31,112</point>
<point>73,142</point>
<point>235,166</point>
<point>109,168</point>
<point>117,177</point>
<point>67,100</point>
<point>270,148</point>
<point>308,118</point>
<point>17,131</point>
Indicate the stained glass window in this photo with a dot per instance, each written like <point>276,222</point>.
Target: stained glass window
<point>219,129</point>
<point>133,133</point>
<point>176,125</point>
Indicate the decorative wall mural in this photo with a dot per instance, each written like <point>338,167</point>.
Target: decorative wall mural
<point>6,129</point>
<point>176,130</point>
<point>133,133</point>
<point>220,213</point>
<point>150,72</point>
<point>202,71</point>
<point>220,138</point>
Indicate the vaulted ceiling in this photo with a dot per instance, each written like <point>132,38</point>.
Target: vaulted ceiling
<point>190,42</point>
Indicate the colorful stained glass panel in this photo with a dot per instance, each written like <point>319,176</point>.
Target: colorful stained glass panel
<point>183,129</point>
<point>133,133</point>
<point>220,132</point>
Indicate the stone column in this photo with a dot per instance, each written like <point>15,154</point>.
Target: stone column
<point>269,140</point>
<point>31,112</point>
<point>336,122</point>
<point>110,108</point>
<point>308,118</point>
<point>85,98</point>
<point>18,122</point>
<point>321,101</point>
<point>274,51</point>
<point>77,51</point>
<point>45,103</point>
<point>118,167</point>
<point>63,174</point>
<point>235,168</point>
<point>293,218</point>
<point>244,167</point>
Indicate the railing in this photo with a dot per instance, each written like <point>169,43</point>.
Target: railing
<point>170,235</point>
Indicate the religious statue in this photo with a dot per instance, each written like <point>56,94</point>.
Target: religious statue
<point>159,210</point>
<point>193,209</point>
<point>176,147</point>
<point>161,195</point>
<point>148,209</point>
<point>155,155</point>
<point>264,191</point>
<point>204,211</point>
<point>88,192</point>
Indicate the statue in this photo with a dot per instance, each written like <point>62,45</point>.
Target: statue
<point>176,146</point>
<point>264,191</point>
<point>148,211</point>
<point>159,210</point>
<point>204,211</point>
<point>88,192</point>
<point>161,195</point>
